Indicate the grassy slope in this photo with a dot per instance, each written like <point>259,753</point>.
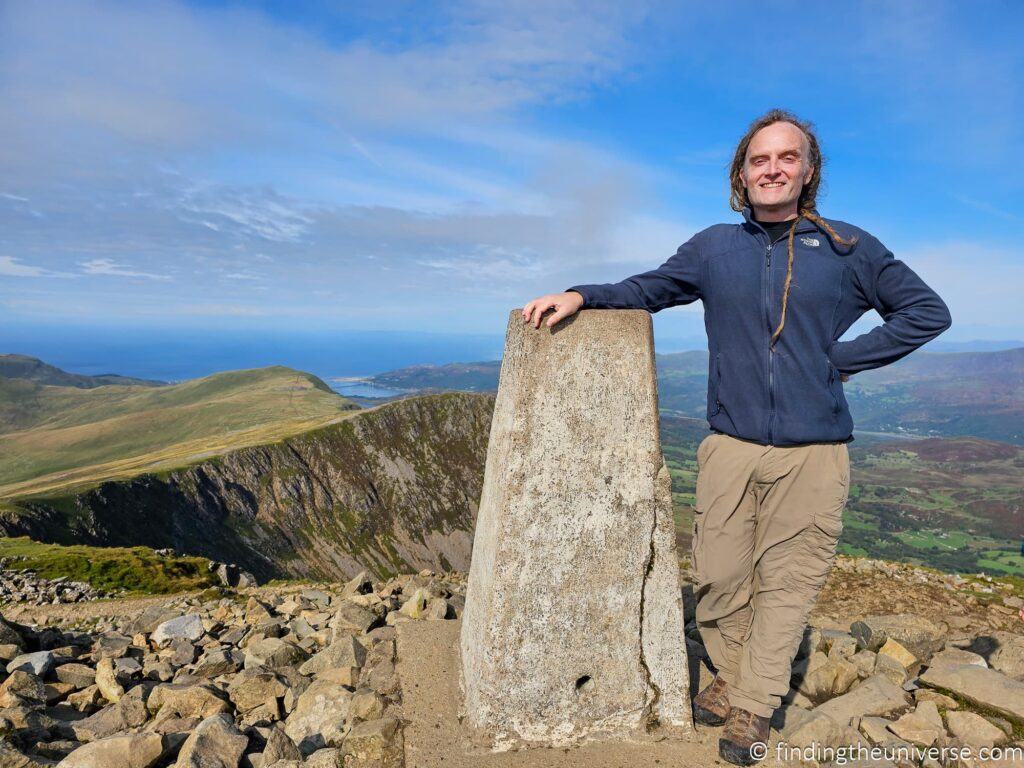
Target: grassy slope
<point>52,436</point>
<point>135,569</point>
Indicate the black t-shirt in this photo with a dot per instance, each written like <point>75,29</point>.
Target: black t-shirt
<point>776,229</point>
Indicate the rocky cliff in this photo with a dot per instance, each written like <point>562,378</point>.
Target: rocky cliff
<point>391,489</point>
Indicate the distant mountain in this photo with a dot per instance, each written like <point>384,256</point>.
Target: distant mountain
<point>464,377</point>
<point>34,369</point>
<point>388,489</point>
<point>926,393</point>
<point>52,436</point>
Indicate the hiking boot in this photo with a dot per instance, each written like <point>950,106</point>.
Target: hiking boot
<point>742,730</point>
<point>711,706</point>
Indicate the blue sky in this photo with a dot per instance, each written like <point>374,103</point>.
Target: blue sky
<point>430,166</point>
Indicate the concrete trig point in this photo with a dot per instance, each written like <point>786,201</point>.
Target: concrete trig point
<point>573,624</point>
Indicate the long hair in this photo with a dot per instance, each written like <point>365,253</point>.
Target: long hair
<point>807,203</point>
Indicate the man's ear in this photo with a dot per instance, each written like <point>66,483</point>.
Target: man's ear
<point>808,175</point>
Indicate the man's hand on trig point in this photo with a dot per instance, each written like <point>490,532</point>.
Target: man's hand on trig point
<point>564,304</point>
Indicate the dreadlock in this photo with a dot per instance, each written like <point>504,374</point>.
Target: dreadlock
<point>806,204</point>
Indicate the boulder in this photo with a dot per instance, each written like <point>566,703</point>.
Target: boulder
<point>917,634</point>
<point>876,696</point>
<point>319,717</point>
<point>983,687</point>
<point>214,742</point>
<point>188,627</point>
<point>974,730</point>
<point>1008,656</point>
<point>130,750</point>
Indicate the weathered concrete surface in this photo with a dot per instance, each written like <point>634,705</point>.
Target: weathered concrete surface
<point>573,626</point>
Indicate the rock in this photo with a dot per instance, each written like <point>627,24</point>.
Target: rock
<point>359,584</point>
<point>895,651</point>
<point>131,750</point>
<point>813,730</point>
<point>917,634</point>
<point>1008,657</point>
<point>864,661</point>
<point>983,687</point>
<point>251,689</point>
<point>132,705</point>
<point>941,700</point>
<point>365,705</point>
<point>279,746</point>
<point>343,652</point>
<point>829,679</point>
<point>11,757</point>
<point>328,757</point>
<point>974,730</point>
<point>319,717</point>
<point>39,663</point>
<point>889,667</point>
<point>877,696</point>
<point>351,619</point>
<point>219,662</point>
<point>188,627</point>
<point>876,729</point>
<point>9,634</point>
<point>186,700</point>
<point>919,727</point>
<point>79,675</point>
<point>843,646</point>
<point>552,547</point>
<point>273,653</point>
<point>215,743</point>
<point>106,680</point>
<point>378,742</point>
<point>22,687</point>
<point>110,645</point>
<point>107,722</point>
<point>954,657</point>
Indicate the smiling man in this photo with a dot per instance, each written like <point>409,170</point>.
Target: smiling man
<point>774,475</point>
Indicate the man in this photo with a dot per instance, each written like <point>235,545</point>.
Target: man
<point>773,477</point>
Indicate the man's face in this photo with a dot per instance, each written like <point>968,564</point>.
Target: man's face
<point>776,168</point>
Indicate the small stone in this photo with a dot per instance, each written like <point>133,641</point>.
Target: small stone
<point>106,680</point>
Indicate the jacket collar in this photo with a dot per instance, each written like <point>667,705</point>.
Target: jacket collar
<point>805,225</point>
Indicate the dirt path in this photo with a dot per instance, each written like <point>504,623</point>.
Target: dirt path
<point>428,666</point>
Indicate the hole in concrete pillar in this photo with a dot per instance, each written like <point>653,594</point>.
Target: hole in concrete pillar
<point>584,683</point>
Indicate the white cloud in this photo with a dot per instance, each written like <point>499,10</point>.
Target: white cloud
<point>12,267</point>
<point>112,268</point>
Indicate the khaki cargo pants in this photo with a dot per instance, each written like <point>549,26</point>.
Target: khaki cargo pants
<point>766,523</point>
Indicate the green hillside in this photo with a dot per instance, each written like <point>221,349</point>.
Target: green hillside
<point>34,369</point>
<point>51,436</point>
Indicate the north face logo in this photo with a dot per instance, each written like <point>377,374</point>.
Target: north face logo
<point>813,242</point>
